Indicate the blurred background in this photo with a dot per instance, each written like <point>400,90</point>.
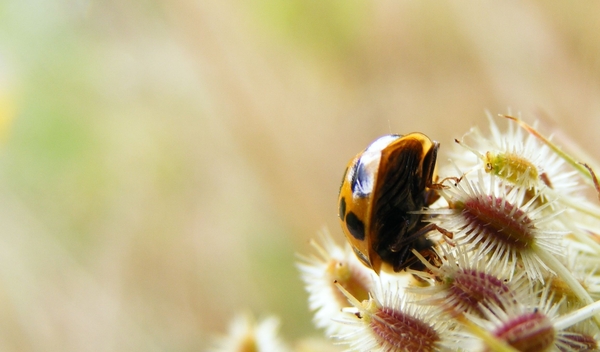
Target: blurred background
<point>162,162</point>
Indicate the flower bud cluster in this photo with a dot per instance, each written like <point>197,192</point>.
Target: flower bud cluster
<point>515,264</point>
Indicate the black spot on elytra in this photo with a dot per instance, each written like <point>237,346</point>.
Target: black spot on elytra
<point>342,210</point>
<point>355,226</point>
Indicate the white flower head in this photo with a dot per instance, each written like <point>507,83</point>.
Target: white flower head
<point>497,222</point>
<point>245,334</point>
<point>519,158</point>
<point>465,283</point>
<point>584,263</point>
<point>388,321</point>
<point>534,327</point>
<point>320,273</point>
<point>513,266</point>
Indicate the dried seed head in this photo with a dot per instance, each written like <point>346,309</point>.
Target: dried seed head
<point>536,326</point>
<point>498,218</point>
<point>464,283</point>
<point>493,220</point>
<point>572,341</point>
<point>386,322</point>
<point>396,330</point>
<point>527,332</point>
<point>471,288</point>
<point>319,273</point>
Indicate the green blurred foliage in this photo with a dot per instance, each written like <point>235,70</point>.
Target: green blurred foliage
<point>327,28</point>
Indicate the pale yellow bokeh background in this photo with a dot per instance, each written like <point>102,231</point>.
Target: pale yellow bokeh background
<point>161,162</point>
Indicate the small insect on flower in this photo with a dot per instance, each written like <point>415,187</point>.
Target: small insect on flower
<point>511,156</point>
<point>381,188</point>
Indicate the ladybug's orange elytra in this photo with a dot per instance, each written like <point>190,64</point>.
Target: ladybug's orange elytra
<point>382,187</point>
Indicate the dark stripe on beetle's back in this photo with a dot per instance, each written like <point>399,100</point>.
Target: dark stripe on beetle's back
<point>401,186</point>
<point>399,193</point>
<point>355,226</point>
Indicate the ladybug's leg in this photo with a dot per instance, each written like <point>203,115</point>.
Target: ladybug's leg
<point>440,185</point>
<point>413,263</point>
<point>431,256</point>
<point>448,236</point>
<point>424,246</point>
<point>432,194</point>
<point>406,240</point>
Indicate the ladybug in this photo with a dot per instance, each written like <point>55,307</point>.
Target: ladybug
<point>382,187</point>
